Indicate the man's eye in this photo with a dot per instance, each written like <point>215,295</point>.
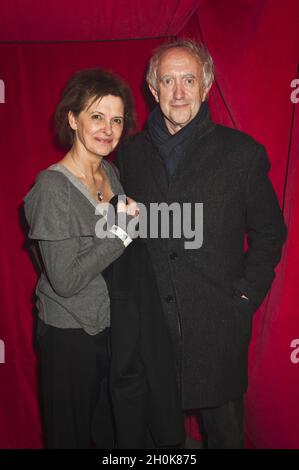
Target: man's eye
<point>167,81</point>
<point>189,81</point>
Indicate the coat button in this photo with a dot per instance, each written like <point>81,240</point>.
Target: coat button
<point>173,255</point>
<point>169,298</point>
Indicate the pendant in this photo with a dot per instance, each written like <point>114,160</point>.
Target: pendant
<point>100,196</point>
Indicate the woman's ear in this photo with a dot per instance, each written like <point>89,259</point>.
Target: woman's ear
<point>72,120</point>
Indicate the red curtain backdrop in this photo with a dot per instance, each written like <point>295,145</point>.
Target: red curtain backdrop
<point>255,46</point>
<point>34,75</point>
<point>65,20</point>
<point>256,50</point>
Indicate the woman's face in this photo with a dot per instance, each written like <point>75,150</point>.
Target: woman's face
<point>99,126</point>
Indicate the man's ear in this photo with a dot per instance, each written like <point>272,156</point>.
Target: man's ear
<point>72,120</point>
<point>206,92</point>
<point>154,92</point>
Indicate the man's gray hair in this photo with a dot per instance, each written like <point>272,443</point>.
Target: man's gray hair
<point>196,49</point>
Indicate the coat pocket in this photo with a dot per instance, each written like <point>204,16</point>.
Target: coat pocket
<point>243,311</point>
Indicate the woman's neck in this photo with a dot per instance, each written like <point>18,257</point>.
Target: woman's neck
<point>88,165</point>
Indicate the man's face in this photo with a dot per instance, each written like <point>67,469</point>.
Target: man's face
<point>180,90</point>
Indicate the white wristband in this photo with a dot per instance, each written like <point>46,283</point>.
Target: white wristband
<point>121,234</point>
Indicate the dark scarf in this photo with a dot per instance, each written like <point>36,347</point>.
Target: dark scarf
<point>172,147</point>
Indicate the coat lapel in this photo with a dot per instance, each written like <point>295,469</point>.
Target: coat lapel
<point>156,169</point>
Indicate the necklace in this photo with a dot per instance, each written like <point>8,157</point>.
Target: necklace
<point>100,195</point>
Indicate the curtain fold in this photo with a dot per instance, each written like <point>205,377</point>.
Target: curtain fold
<point>255,46</point>
<point>34,75</point>
<point>74,20</point>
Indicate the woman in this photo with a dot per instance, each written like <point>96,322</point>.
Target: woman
<point>72,297</point>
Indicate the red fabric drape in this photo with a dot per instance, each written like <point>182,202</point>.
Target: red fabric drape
<point>34,75</point>
<point>255,47</point>
<point>74,20</point>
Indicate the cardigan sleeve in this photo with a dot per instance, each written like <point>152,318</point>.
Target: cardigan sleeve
<point>68,266</point>
<point>70,270</point>
<point>47,207</point>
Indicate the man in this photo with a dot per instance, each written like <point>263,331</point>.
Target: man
<point>209,293</point>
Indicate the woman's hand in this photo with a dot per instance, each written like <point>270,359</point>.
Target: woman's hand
<point>131,208</point>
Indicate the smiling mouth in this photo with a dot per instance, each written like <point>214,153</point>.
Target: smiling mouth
<point>104,141</point>
<point>179,105</point>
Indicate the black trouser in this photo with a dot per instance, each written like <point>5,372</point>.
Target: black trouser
<point>222,426</point>
<point>74,368</point>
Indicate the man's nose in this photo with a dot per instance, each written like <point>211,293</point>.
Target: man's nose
<point>179,92</point>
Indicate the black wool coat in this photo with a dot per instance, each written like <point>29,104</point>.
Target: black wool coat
<point>201,288</point>
<point>143,386</point>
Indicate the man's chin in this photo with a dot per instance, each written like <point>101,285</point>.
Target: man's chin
<point>181,118</point>
<point>181,122</point>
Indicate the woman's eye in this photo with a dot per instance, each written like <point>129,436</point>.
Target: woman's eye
<point>118,121</point>
<point>96,116</point>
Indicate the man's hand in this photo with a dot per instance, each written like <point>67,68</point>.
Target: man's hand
<point>243,296</point>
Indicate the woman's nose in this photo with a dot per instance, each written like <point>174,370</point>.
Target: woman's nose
<point>108,128</point>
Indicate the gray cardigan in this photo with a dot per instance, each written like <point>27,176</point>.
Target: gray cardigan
<point>71,290</point>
